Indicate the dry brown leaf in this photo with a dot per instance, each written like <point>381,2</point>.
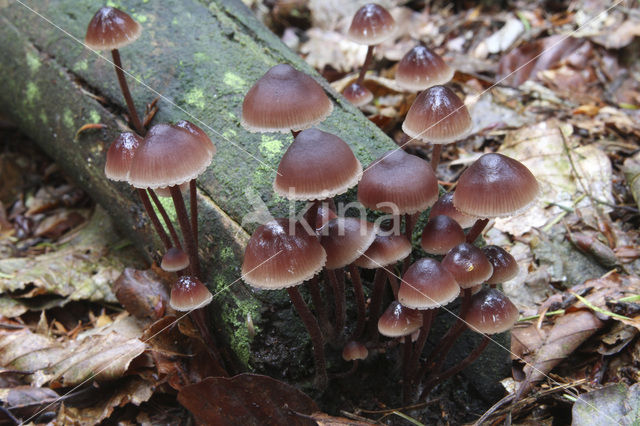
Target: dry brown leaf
<point>27,401</point>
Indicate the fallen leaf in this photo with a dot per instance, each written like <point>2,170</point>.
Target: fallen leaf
<point>247,399</point>
<point>27,401</point>
<point>142,293</point>
<point>616,404</point>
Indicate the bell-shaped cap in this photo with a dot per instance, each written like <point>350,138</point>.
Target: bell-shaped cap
<point>284,99</point>
<point>357,94</point>
<point>174,260</point>
<point>495,185</point>
<point>120,155</point>
<point>353,351</point>
<point>345,239</point>
<point>491,312</point>
<point>372,24</point>
<point>171,155</point>
<point>111,28</point>
<point>427,285</point>
<point>441,234</point>
<point>280,255</point>
<point>437,116</point>
<point>398,183</point>
<point>398,321</point>
<point>316,166</point>
<point>444,206</point>
<point>505,266</point>
<point>468,265</point>
<point>384,251</point>
<point>421,68</point>
<point>188,293</point>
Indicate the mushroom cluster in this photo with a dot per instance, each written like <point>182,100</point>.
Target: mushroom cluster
<point>328,249</point>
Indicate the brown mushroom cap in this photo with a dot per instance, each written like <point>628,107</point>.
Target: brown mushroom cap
<point>357,94</point>
<point>491,312</point>
<point>398,321</point>
<point>284,99</point>
<point>280,256</point>
<point>427,285</point>
<point>120,155</point>
<point>189,293</point>
<point>345,239</point>
<point>402,179</point>
<point>495,185</point>
<point>174,260</point>
<point>316,166</point>
<point>505,266</point>
<point>354,351</point>
<point>441,234</point>
<point>468,265</point>
<point>437,116</point>
<point>385,250</point>
<point>171,155</point>
<point>444,206</point>
<point>421,68</point>
<point>111,28</point>
<point>371,25</point>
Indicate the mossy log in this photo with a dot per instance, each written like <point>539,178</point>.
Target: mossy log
<point>199,58</point>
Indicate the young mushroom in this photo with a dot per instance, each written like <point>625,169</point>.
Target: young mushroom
<point>111,29</point>
<point>421,68</point>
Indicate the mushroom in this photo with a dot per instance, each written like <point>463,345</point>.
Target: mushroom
<point>174,260</point>
<point>505,266</point>
<point>284,100</point>
<point>444,206</point>
<point>371,25</point>
<point>437,116</point>
<point>421,68</point>
<point>441,234</point>
<point>493,186</point>
<point>111,29</point>
<point>188,294</point>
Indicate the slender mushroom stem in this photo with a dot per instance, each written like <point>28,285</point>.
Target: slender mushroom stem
<point>435,156</point>
<point>193,201</point>
<point>340,301</point>
<point>200,322</point>
<point>393,282</point>
<point>379,281</point>
<point>437,378</point>
<point>154,218</point>
<point>365,65</point>
<point>185,227</point>
<point>124,87</point>
<point>360,304</point>
<point>165,218</point>
<point>414,364</point>
<point>476,230</point>
<point>320,307</point>
<point>407,349</point>
<point>313,328</point>
<point>439,355</point>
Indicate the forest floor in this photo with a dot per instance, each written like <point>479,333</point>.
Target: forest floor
<point>543,84</point>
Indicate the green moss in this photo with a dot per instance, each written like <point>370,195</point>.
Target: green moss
<point>94,116</point>
<point>235,320</point>
<point>81,65</point>
<point>167,203</point>
<point>140,18</point>
<point>226,254</point>
<point>200,57</point>
<point>33,92</point>
<point>195,97</point>
<point>271,147</point>
<point>67,118</point>
<point>33,61</point>
<point>235,81</point>
<point>43,117</point>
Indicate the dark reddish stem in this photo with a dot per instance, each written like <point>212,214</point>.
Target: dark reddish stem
<point>320,306</point>
<point>379,281</point>
<point>199,318</point>
<point>476,230</point>
<point>393,282</point>
<point>135,119</point>
<point>154,218</point>
<point>185,227</point>
<point>365,65</point>
<point>433,380</point>
<point>439,355</point>
<point>427,319</point>
<point>407,349</point>
<point>410,221</point>
<point>165,218</point>
<point>435,156</point>
<point>193,201</point>
<point>340,301</point>
<point>313,328</point>
<point>360,304</point>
